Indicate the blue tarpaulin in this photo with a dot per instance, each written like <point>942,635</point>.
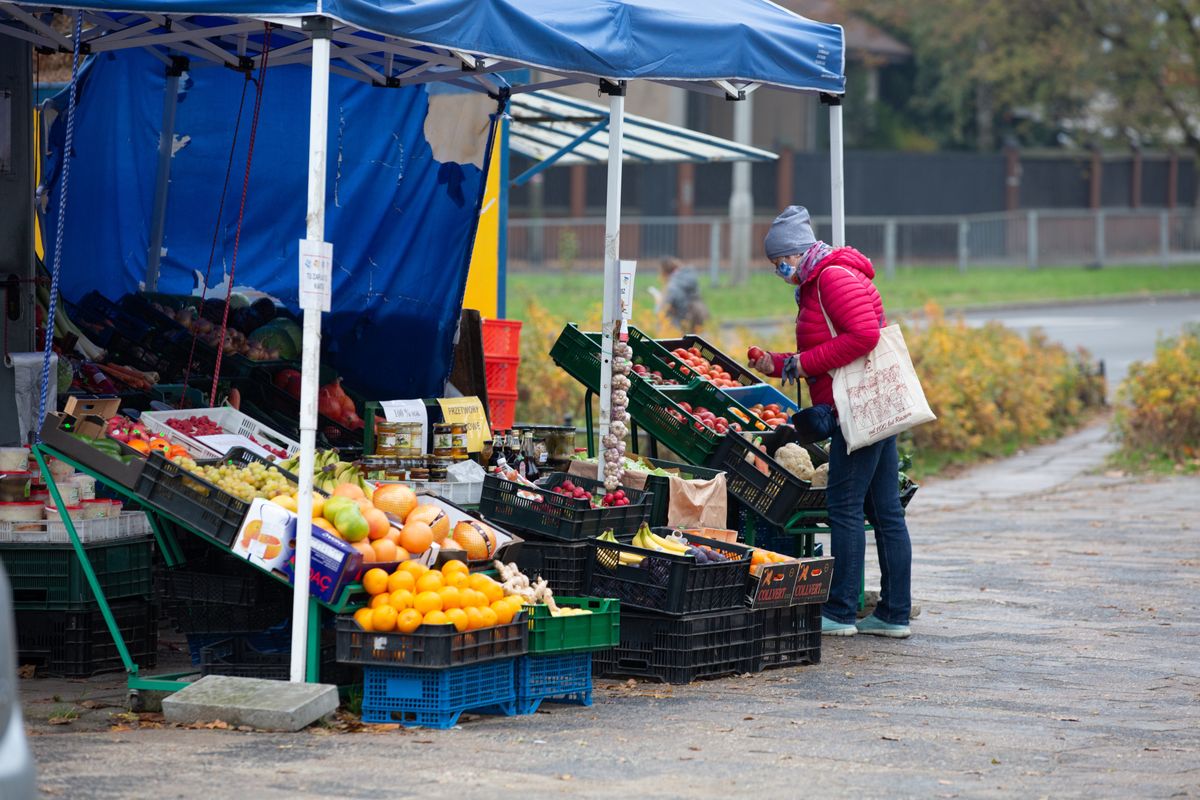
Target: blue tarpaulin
<point>750,40</point>
<point>401,222</point>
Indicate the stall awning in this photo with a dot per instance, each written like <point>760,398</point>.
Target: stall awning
<point>727,48</point>
<point>547,124</point>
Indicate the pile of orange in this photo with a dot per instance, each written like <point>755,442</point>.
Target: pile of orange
<point>415,595</point>
<point>759,557</point>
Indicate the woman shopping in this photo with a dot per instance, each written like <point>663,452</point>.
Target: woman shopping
<point>834,288</point>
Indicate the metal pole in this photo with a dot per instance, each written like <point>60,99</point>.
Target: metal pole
<point>1164,237</point>
<point>612,251</point>
<point>741,199</point>
<point>889,247</point>
<point>166,146</point>
<point>714,252</point>
<point>502,233</point>
<point>1031,239</point>
<point>964,252</point>
<point>1100,237</point>
<point>837,174</point>
<point>318,132</point>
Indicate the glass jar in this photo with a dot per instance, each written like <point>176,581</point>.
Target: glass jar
<point>438,466</point>
<point>398,470</point>
<point>387,438</point>
<point>373,468</point>
<point>411,441</point>
<point>458,441</point>
<point>443,439</point>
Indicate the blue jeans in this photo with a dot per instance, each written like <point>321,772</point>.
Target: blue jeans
<point>865,483</point>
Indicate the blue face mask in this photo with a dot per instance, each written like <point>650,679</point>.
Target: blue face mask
<point>785,271</point>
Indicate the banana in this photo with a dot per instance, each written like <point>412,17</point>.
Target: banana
<point>629,559</point>
<point>667,544</point>
<point>643,540</point>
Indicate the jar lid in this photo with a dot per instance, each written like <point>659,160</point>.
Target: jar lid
<point>97,500</point>
<point>11,503</point>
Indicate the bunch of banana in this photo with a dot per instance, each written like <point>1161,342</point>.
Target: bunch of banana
<point>569,611</point>
<point>649,540</point>
<point>329,471</point>
<point>609,559</point>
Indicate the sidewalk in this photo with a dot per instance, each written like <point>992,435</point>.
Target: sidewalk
<point>1058,654</point>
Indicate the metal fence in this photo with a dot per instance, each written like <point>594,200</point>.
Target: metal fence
<point>1032,239</point>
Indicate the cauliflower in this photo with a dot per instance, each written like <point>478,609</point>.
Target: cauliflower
<point>820,478</point>
<point>795,459</point>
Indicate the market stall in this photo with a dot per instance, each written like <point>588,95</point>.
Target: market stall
<point>469,44</point>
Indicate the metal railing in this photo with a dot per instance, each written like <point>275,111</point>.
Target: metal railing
<point>1032,239</point>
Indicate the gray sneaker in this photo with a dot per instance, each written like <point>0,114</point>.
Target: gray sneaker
<point>874,626</point>
<point>831,628</point>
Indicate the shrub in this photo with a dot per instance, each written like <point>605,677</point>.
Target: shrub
<point>1158,416</point>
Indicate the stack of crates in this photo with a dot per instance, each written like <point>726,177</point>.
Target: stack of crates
<point>501,358</point>
<point>60,627</point>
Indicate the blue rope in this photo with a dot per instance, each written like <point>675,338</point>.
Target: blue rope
<point>58,232</point>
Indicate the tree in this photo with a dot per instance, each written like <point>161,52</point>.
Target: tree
<point>1106,70</point>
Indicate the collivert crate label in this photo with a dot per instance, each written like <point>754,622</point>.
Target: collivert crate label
<point>813,579</point>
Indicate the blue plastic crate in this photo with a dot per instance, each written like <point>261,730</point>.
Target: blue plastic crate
<point>436,698</point>
<point>557,679</point>
<point>765,394</point>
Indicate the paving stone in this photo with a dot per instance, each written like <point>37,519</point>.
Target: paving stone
<point>258,703</point>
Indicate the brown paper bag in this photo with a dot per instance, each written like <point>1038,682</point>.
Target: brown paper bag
<point>698,503</point>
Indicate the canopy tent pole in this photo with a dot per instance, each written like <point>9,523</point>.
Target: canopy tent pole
<point>318,130</point>
<point>837,175</point>
<point>166,146</point>
<point>741,198</point>
<point>612,251</point>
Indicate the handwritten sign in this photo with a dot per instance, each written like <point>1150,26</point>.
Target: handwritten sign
<point>316,275</point>
<point>408,411</point>
<point>469,411</point>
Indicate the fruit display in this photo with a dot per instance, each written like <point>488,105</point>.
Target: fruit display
<point>245,483</point>
<point>569,489</point>
<point>516,583</point>
<point>692,363</point>
<point>759,558</point>
<point>201,425</point>
<point>702,418</point>
<point>796,460</point>
<point>771,413</point>
<point>242,320</point>
<point>329,471</point>
<point>332,400</point>
<point>133,435</point>
<point>654,377</point>
<point>414,595</point>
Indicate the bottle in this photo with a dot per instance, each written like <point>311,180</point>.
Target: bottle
<point>530,456</point>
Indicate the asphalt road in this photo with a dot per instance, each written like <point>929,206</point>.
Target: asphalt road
<point>1119,332</point>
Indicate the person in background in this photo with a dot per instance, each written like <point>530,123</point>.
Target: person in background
<point>862,483</point>
<point>680,297</point>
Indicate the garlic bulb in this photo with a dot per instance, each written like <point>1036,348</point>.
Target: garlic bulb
<point>621,383</point>
<point>619,397</point>
<point>610,440</point>
<point>619,429</point>
<point>611,482</point>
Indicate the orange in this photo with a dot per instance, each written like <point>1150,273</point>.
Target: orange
<point>415,568</point>
<point>459,618</point>
<point>416,537</point>
<point>364,546</point>
<point>456,579</point>
<point>451,597</point>
<point>401,579</point>
<point>430,582</point>
<point>503,611</point>
<point>489,616</point>
<point>377,520</point>
<point>401,553</point>
<point>139,445</point>
<point>392,535</point>
<point>363,617</point>
<point>324,524</point>
<point>433,517</point>
<point>375,581</point>
<point>383,619</point>
<point>493,591</point>
<point>427,601</point>
<point>400,599</point>
<point>472,598</point>
<point>408,620</point>
<point>477,580</point>
<point>435,618</point>
<point>454,565</point>
<point>474,618</point>
<point>379,600</point>
<point>385,551</point>
<point>350,490</point>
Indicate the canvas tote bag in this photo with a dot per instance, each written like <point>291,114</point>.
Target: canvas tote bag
<point>877,395</point>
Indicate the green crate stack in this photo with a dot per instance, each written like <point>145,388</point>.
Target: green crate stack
<point>49,577</point>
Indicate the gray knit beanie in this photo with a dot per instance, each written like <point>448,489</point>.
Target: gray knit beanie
<point>790,233</point>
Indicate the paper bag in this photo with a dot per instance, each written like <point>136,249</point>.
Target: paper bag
<point>698,503</point>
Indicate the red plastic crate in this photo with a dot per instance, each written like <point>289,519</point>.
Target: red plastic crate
<point>501,373</point>
<point>501,337</point>
<point>502,409</point>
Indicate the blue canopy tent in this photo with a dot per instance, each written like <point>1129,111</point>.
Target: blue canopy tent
<point>396,43</point>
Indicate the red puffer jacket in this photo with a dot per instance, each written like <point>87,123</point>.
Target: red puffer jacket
<point>854,305</point>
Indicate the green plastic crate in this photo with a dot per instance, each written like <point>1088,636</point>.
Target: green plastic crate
<point>579,633</point>
<point>49,577</point>
<point>578,353</point>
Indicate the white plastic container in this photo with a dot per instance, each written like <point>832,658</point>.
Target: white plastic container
<point>96,509</point>
<point>75,512</point>
<point>69,491</point>
<point>14,487</point>
<point>61,470</point>
<point>23,511</point>
<point>87,486</point>
<point>14,459</point>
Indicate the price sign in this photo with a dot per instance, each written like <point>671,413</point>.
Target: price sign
<point>316,275</point>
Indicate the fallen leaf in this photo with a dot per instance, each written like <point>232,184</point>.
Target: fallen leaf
<point>217,724</point>
<point>995,761</point>
<point>27,671</point>
<point>119,728</point>
<point>693,747</point>
<point>62,721</point>
<point>1067,719</point>
<point>887,738</point>
<point>93,704</point>
<point>747,718</point>
<point>564,777</point>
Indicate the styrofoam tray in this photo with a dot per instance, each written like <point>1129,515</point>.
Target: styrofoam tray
<point>229,418</point>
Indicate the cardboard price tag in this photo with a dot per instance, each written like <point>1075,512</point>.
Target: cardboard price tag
<point>774,585</point>
<point>467,410</point>
<point>813,580</point>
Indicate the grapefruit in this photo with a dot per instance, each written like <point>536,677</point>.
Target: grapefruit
<point>434,517</point>
<point>350,490</point>
<point>395,498</point>
<point>416,537</point>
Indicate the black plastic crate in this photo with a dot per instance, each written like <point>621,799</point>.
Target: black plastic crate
<point>774,495</point>
<point>562,564</point>
<point>49,577</point>
<point>261,390</point>
<point>559,517</point>
<point>167,486</point>
<point>238,657</point>
<point>211,588</point>
<point>660,487</point>
<point>431,646</point>
<point>78,644</point>
<point>680,649</point>
<point>787,636</point>
<point>663,582</point>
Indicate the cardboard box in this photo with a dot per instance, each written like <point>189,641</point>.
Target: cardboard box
<point>813,580</point>
<point>773,586</point>
<point>267,539</point>
<point>58,434</point>
<point>91,413</point>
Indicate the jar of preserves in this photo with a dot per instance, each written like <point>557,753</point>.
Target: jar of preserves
<point>458,441</point>
<point>411,440</point>
<point>438,466</point>
<point>443,439</point>
<point>387,439</point>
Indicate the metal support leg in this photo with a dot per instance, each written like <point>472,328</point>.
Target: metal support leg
<point>587,420</point>
<point>313,671</point>
<point>167,543</point>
